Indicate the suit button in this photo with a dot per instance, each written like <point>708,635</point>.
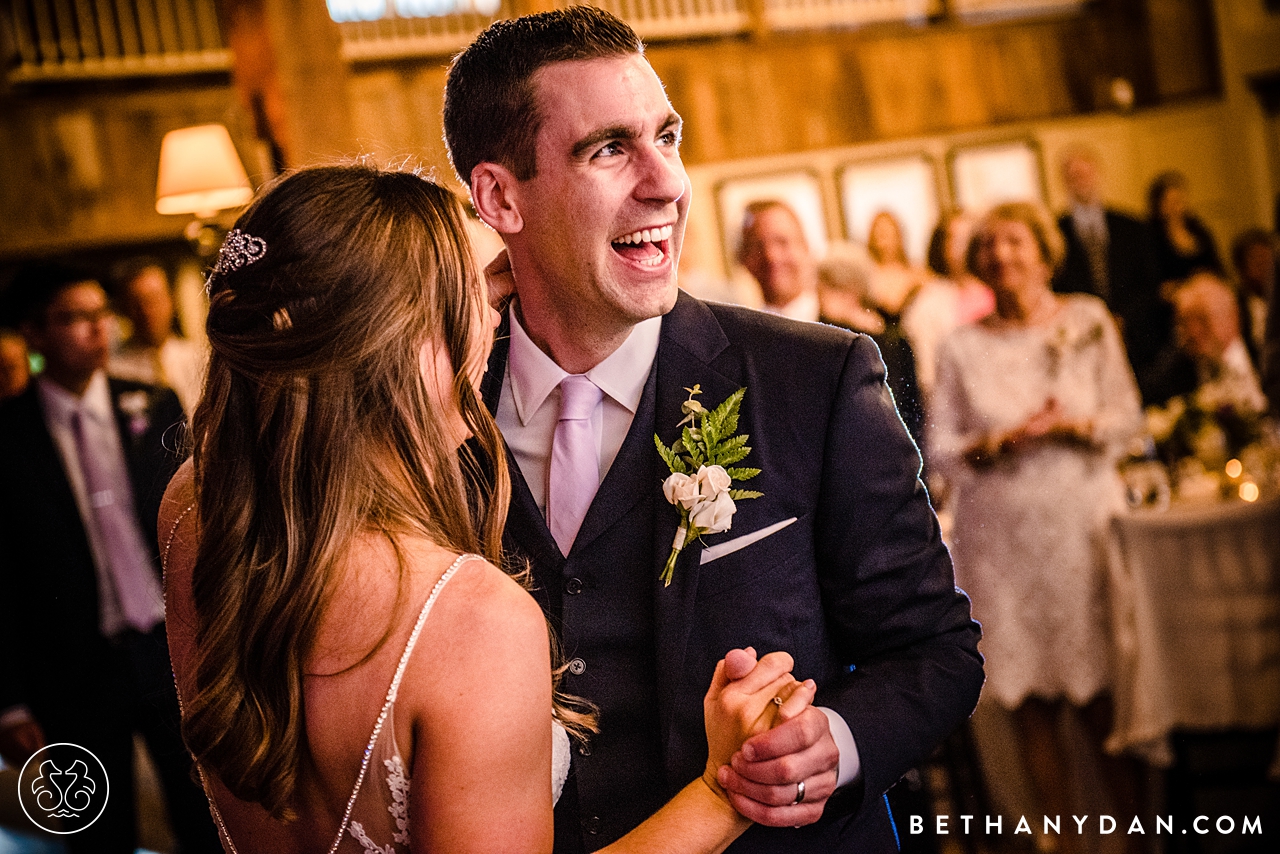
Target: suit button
<point>573,586</point>
<point>591,824</point>
<point>577,667</point>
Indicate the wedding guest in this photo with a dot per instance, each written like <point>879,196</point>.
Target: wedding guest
<point>1209,357</point>
<point>83,459</point>
<point>1181,243</point>
<point>1256,259</point>
<point>844,283</point>
<point>346,488</point>
<point>839,560</point>
<point>951,298</point>
<point>1109,255</point>
<point>776,253</point>
<point>895,281</point>
<point>154,353</point>
<point>1032,408</point>
<point>15,365</point>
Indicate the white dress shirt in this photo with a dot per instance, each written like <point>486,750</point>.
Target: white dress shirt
<point>803,307</point>
<point>529,408</point>
<point>1231,381</point>
<point>103,438</point>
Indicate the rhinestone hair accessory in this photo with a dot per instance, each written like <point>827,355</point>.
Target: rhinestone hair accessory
<point>239,250</point>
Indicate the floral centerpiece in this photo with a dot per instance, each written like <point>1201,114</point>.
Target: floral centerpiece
<point>1204,427</point>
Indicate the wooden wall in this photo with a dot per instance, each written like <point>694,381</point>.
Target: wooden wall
<point>78,161</point>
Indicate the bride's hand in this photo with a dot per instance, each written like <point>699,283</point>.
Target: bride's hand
<point>737,708</point>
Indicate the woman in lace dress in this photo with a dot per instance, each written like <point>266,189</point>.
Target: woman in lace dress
<point>1032,407</point>
<point>357,675</point>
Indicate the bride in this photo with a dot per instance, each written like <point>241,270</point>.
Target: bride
<point>357,673</point>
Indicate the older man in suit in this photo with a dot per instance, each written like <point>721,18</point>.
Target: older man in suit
<point>1109,255</point>
<point>83,462</point>
<point>571,150</point>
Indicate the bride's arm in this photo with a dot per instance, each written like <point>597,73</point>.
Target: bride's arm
<point>481,692</point>
<point>699,819</point>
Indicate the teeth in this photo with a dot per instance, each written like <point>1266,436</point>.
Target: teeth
<point>648,235</point>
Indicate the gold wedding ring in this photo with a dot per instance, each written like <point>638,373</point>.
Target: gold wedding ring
<point>777,701</point>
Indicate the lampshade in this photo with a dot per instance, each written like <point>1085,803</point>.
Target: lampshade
<point>200,172</point>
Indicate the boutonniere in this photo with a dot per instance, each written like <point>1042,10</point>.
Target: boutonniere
<point>136,405</point>
<point>703,472</point>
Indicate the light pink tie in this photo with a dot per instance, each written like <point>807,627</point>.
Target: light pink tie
<point>137,587</point>
<point>575,460</point>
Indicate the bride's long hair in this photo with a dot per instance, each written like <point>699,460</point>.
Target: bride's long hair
<point>316,427</point>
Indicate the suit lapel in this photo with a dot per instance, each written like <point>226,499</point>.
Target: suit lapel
<point>691,340</point>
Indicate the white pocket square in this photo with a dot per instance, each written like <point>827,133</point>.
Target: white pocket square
<point>719,550</point>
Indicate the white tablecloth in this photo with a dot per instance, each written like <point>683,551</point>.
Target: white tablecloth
<point>1196,615</point>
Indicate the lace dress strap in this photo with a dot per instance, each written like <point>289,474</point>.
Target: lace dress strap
<point>393,690</point>
<point>387,706</point>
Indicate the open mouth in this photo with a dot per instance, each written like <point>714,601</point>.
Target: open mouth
<point>648,247</point>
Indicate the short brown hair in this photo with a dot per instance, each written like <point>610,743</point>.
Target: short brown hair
<point>1053,247</point>
<point>490,109</point>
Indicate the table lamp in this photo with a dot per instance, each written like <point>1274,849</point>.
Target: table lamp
<point>201,174</point>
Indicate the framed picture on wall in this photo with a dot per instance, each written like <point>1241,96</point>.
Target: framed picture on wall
<point>906,187</point>
<point>801,190</point>
<point>986,175</point>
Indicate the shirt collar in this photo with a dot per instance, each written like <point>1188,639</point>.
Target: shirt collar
<point>533,374</point>
<point>1235,358</point>
<point>1091,213</point>
<point>803,307</point>
<point>62,404</point>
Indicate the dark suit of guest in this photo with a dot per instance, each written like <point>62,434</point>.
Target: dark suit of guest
<point>79,685</point>
<point>859,588</point>
<point>1128,285</point>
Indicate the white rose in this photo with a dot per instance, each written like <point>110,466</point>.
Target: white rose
<point>715,515</point>
<point>712,481</point>
<point>681,489</point>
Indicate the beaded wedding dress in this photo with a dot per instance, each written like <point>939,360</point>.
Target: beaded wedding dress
<point>376,818</point>
<point>1027,538</point>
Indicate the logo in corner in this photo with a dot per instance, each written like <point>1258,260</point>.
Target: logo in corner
<point>63,788</point>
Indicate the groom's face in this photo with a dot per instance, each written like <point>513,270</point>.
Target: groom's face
<point>604,215</point>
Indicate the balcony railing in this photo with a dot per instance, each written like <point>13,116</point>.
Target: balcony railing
<point>414,27</point>
<point>811,14</point>
<point>675,19</point>
<point>79,39</point>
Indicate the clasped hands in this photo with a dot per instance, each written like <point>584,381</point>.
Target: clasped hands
<point>1051,423</point>
<point>760,749</point>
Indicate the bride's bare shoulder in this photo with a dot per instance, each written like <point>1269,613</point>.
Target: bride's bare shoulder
<point>485,625</point>
<point>179,498</point>
<point>485,600</point>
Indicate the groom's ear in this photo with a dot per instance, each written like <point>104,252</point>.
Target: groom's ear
<point>494,194</point>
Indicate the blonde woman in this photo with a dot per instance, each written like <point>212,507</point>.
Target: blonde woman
<point>1032,407</point>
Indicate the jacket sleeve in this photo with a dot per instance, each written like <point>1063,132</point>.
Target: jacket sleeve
<point>899,626</point>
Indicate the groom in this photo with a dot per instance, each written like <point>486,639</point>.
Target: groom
<point>570,148</point>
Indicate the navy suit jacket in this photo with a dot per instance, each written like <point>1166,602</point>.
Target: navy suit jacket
<point>859,589</point>
<point>49,621</point>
